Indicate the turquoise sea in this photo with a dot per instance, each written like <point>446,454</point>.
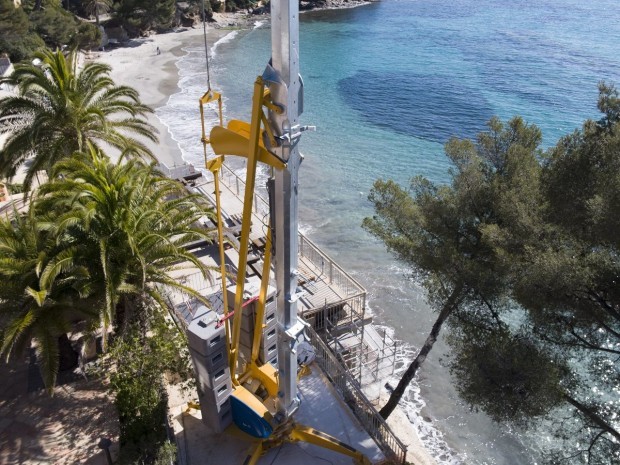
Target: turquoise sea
<point>386,84</point>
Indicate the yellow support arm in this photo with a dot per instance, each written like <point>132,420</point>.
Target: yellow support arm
<point>262,297</point>
<point>214,166</point>
<point>234,140</point>
<point>208,97</point>
<point>252,154</point>
<point>318,438</point>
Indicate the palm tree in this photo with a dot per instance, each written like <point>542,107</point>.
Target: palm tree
<point>59,109</point>
<point>97,6</point>
<point>130,224</point>
<point>98,242</point>
<point>43,292</point>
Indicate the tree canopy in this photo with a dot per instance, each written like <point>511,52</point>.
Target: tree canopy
<point>97,246</point>
<point>142,15</point>
<point>529,240</point>
<point>36,24</point>
<point>18,38</point>
<point>58,110</point>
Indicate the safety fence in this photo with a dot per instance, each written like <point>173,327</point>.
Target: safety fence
<point>233,181</point>
<point>329,269</point>
<point>352,395</point>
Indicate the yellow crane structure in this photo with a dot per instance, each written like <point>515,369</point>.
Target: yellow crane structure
<point>264,398</point>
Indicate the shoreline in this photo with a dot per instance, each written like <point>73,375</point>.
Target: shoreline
<point>156,77</point>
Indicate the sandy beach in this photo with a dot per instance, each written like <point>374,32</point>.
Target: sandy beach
<point>156,77</point>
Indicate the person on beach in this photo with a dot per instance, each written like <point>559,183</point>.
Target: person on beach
<point>158,51</point>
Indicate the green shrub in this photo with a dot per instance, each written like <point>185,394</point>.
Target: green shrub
<point>15,188</point>
<point>59,28</point>
<point>137,363</point>
<point>17,39</point>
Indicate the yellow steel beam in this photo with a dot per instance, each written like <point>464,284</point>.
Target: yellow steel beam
<point>228,141</point>
<point>262,297</point>
<point>252,154</point>
<point>214,166</point>
<point>266,374</point>
<point>255,452</point>
<point>316,437</point>
<point>208,97</point>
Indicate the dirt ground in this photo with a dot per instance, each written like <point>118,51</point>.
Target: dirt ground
<point>36,428</point>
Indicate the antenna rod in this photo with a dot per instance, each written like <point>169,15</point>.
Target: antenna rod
<point>204,33</point>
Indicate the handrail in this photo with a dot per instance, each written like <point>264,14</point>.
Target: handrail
<point>359,404</point>
<point>324,255</point>
<point>307,248</point>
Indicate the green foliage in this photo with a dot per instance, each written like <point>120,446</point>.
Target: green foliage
<point>508,376</point>
<point>95,7</point>
<point>582,178</point>
<point>139,16</point>
<point>129,223</point>
<point>166,454</point>
<point>97,246</point>
<point>235,5</point>
<point>60,109</point>
<point>87,37</point>
<point>55,26</point>
<point>43,291</point>
<point>137,364</point>
<point>27,29</point>
<point>15,188</point>
<point>18,39</point>
<point>448,234</point>
<point>194,7</point>
<point>532,238</point>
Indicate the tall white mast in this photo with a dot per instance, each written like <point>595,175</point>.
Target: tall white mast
<point>288,94</point>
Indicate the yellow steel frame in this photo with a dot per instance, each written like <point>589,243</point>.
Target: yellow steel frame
<point>254,140</point>
<point>208,97</point>
<point>246,140</point>
<point>215,166</point>
<point>243,139</point>
<point>295,432</point>
<point>260,307</point>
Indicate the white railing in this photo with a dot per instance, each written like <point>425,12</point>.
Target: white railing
<point>349,390</point>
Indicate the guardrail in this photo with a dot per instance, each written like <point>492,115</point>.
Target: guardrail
<point>352,395</point>
<point>331,271</point>
<point>237,185</point>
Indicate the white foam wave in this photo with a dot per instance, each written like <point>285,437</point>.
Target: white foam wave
<point>227,38</point>
<point>413,404</point>
<point>306,229</point>
<point>181,113</point>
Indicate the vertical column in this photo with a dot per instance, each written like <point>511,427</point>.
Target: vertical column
<point>285,60</point>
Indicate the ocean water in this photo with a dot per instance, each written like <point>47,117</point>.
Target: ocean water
<point>386,84</point>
